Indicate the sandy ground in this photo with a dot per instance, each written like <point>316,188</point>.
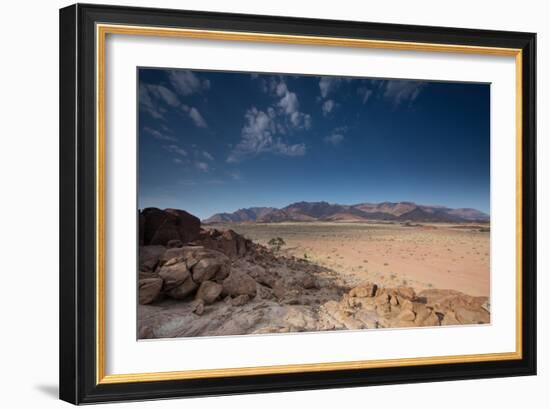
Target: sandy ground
<point>427,256</point>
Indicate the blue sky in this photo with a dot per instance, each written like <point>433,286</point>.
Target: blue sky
<point>214,142</point>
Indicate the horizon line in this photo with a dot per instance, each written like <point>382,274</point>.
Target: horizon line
<point>330,203</point>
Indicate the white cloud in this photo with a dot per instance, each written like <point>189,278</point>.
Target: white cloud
<point>334,138</point>
<point>161,136</point>
<point>300,120</point>
<point>147,104</point>
<point>402,92</point>
<point>175,149</point>
<point>263,129</point>
<point>186,82</point>
<point>298,149</point>
<point>365,93</point>
<point>259,136</point>
<point>328,106</point>
<point>328,84</point>
<point>337,135</point>
<point>289,102</point>
<point>281,89</point>
<point>152,97</point>
<point>207,155</point>
<point>177,161</point>
<point>195,116</point>
<point>165,94</point>
<point>202,166</point>
<point>290,106</point>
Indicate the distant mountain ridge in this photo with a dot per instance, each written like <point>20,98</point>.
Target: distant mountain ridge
<point>324,211</point>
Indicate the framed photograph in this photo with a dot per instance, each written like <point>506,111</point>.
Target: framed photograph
<point>258,203</point>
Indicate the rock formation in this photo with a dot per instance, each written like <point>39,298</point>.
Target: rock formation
<point>196,282</point>
<point>158,227</point>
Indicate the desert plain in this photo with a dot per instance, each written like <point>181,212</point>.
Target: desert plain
<point>422,256</point>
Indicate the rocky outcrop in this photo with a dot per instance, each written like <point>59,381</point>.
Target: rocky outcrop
<point>369,306</point>
<point>228,242</point>
<point>182,271</point>
<point>220,283</point>
<point>149,289</point>
<point>247,310</point>
<point>239,283</point>
<point>208,292</point>
<point>159,227</point>
<point>149,257</point>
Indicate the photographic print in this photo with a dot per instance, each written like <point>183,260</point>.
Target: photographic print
<point>280,203</point>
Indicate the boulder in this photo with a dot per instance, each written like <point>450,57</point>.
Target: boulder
<point>147,274</point>
<point>406,293</point>
<point>162,226</point>
<point>186,253</point>
<point>222,274</point>
<point>382,299</point>
<point>365,290</point>
<point>204,263</point>
<point>369,318</point>
<point>425,316</point>
<point>141,231</point>
<point>174,275</point>
<point>149,257</point>
<point>431,320</point>
<point>296,319</point>
<point>150,220</point>
<point>467,316</point>
<point>149,290</point>
<point>207,267</point>
<point>234,244</point>
<point>228,242</point>
<point>168,231</point>
<point>208,292</point>
<point>450,299</point>
<point>339,318</point>
<point>406,315</point>
<point>450,319</point>
<point>239,283</point>
<point>183,290</point>
<point>406,304</point>
<point>198,307</point>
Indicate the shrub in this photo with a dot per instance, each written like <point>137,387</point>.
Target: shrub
<point>276,243</point>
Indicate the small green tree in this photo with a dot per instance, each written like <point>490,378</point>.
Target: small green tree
<point>276,243</point>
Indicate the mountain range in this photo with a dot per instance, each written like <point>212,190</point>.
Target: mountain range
<point>323,211</point>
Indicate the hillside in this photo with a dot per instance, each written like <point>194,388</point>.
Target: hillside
<point>324,211</point>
